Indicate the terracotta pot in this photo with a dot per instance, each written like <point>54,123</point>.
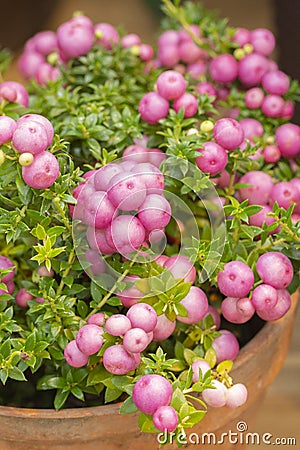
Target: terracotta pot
<point>103,427</point>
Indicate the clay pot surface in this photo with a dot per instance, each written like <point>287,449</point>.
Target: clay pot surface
<point>102,427</point>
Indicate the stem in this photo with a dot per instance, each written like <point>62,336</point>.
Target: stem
<point>65,220</point>
<point>66,271</point>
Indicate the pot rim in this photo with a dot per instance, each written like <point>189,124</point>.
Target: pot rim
<point>245,354</point>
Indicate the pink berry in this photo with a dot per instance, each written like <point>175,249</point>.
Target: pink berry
<point>106,35</point>
<point>7,128</point>
<point>285,194</point>
<point>135,340</point>
<point>117,360</point>
<point>98,241</point>
<point>20,95</point>
<point>104,175</point>
<point>136,153</point>
<point>165,418</point>
<point>23,297</point>
<point>254,98</point>
<point>127,233</point>
<point>205,87</point>
<point>237,310</point>
<point>188,102</point>
<point>151,392</point>
<point>181,267</point>
<point>126,191</point>
<point>272,105</point>
<point>226,346</point>
<point>99,211</point>
<point>89,339</point>
<point>228,133</point>
<point>251,128</point>
<point>215,397</point>
<point>151,176</point>
<point>142,315</point>
<point>264,297</point>
<point>153,107</point>
<point>45,42</point>
<point>30,136</point>
<point>258,219</point>
<point>156,156</point>
<point>213,158</point>
<point>236,279</point>
<point>242,36</point>
<point>43,172</point>
<point>74,356</point>
<point>260,190</point>
<point>43,121</point>
<point>263,41</point>
<point>197,365</point>
<point>275,82</point>
<point>75,37</point>
<point>163,329</point>
<point>236,395</point>
<point>252,68</point>
<point>155,212</point>
<point>5,264</point>
<point>117,324</point>
<point>44,272</point>
<point>196,305</point>
<point>271,154</point>
<point>171,84</point>
<point>132,294</point>
<point>224,68</point>
<point>129,40</point>
<point>275,269</point>
<point>96,319</point>
<point>281,307</point>
<point>288,140</point>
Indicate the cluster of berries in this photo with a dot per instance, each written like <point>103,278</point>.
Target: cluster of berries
<point>123,203</point>
<point>269,299</point>
<point>30,136</point>
<point>22,296</point>
<point>45,51</point>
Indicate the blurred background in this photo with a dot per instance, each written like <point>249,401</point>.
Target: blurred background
<point>280,414</point>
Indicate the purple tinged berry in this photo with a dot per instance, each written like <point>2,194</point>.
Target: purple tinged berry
<point>224,68</point>
<point>163,329</point>
<point>259,191</point>
<point>264,297</point>
<point>126,191</point>
<point>142,315</point>
<point>23,297</point>
<point>126,233</point>
<point>106,35</point>
<point>288,140</point>
<point>20,95</point>
<point>74,356</point>
<point>97,319</point>
<point>228,133</point>
<point>30,136</point>
<point>136,153</point>
<point>43,172</point>
<point>7,128</point>
<point>226,346</point>
<point>117,325</point>
<point>275,269</point>
<point>285,194</point>
<point>171,84</point>
<point>213,158</point>
<point>237,310</point>
<point>279,310</point>
<point>151,392</point>
<point>118,361</point>
<point>75,37</point>
<point>197,366</point>
<point>165,418</point>
<point>252,68</point>
<point>181,267</point>
<point>151,176</point>
<point>5,264</point>
<point>153,107</point>
<point>43,121</point>
<point>263,41</point>
<point>104,175</point>
<point>155,212</point>
<point>89,339</point>
<point>99,210</point>
<point>236,279</point>
<point>136,340</point>
<point>196,305</point>
<point>188,102</point>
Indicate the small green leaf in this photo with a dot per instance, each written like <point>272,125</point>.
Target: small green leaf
<point>128,406</point>
<point>60,398</point>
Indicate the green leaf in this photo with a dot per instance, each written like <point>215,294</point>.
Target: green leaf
<point>51,382</point>
<point>60,398</point>
<point>40,232</point>
<point>77,392</point>
<point>146,424</point>
<point>111,395</point>
<point>82,308</point>
<point>16,374</point>
<point>128,406</point>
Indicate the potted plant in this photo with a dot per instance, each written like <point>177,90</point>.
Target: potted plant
<point>150,203</point>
